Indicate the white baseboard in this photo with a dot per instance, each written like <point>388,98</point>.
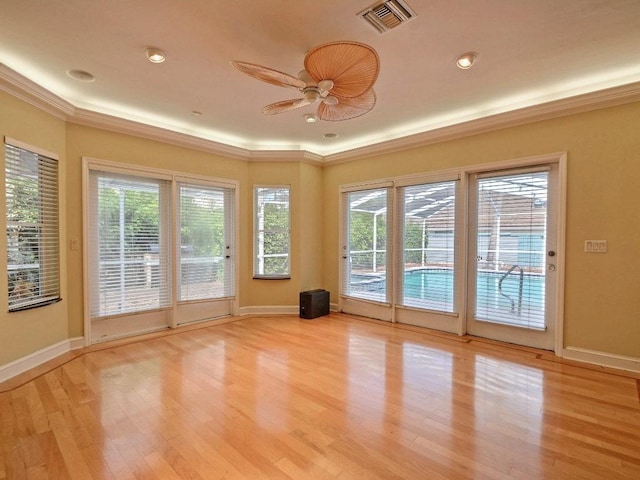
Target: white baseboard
<point>35,359</point>
<point>602,359</point>
<point>278,309</point>
<point>270,310</point>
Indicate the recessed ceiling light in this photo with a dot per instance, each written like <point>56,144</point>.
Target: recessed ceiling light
<point>466,60</point>
<point>330,135</point>
<point>196,113</point>
<point>155,55</point>
<point>81,75</point>
<point>310,117</point>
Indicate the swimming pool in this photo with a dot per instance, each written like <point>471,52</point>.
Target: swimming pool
<point>433,288</point>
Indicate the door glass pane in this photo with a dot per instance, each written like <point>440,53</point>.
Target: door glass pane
<point>511,242</point>
<point>366,248</point>
<point>204,243</point>
<point>428,246</point>
<point>133,273</point>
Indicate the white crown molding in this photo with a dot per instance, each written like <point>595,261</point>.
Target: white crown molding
<point>286,156</point>
<point>151,132</point>
<point>32,93</point>
<point>24,89</point>
<point>609,97</point>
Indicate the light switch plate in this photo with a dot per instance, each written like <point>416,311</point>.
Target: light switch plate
<point>595,246</point>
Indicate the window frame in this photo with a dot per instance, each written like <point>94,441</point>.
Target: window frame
<point>47,227</point>
<point>259,233</point>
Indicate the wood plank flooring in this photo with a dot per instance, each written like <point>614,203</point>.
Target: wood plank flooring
<point>330,398</point>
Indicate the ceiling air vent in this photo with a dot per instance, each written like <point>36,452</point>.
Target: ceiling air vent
<point>387,15</point>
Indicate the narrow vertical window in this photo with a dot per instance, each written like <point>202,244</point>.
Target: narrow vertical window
<point>272,235</point>
<point>31,188</point>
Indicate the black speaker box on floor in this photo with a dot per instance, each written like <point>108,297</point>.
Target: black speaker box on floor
<point>314,303</point>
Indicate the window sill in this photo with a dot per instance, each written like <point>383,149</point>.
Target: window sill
<point>30,306</point>
<point>272,277</point>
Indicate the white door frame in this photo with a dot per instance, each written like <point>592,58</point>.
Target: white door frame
<point>464,173</point>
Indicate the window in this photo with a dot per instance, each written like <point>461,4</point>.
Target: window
<point>205,231</point>
<point>271,227</point>
<point>130,238</point>
<point>31,189</point>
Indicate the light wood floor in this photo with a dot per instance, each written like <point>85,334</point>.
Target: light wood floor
<point>330,398</point>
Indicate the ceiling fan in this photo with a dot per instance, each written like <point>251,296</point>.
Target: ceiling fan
<point>338,75</point>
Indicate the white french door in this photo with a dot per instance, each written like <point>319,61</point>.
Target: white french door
<point>160,250</point>
<point>366,258</point>
<point>430,244</point>
<point>475,251</point>
<point>205,231</point>
<point>513,251</point>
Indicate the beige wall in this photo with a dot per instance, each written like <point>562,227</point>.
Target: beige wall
<point>22,333</point>
<point>305,182</point>
<point>310,236</point>
<point>602,294</point>
<point>602,309</point>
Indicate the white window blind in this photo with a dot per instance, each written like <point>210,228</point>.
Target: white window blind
<point>206,231</point>
<point>130,236</point>
<point>428,245</point>
<point>511,248</point>
<point>272,234</point>
<point>33,257</point>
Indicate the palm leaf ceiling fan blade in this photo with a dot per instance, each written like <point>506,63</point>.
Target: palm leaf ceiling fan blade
<point>339,74</point>
<point>269,75</point>
<point>286,106</point>
<point>347,108</point>
<point>352,66</point>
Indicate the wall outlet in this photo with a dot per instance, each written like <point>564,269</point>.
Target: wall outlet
<point>595,246</point>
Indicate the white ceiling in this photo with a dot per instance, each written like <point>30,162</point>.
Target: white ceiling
<point>530,52</point>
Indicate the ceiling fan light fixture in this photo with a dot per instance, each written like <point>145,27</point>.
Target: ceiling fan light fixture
<point>155,55</point>
<point>310,117</point>
<point>311,95</point>
<point>466,60</point>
